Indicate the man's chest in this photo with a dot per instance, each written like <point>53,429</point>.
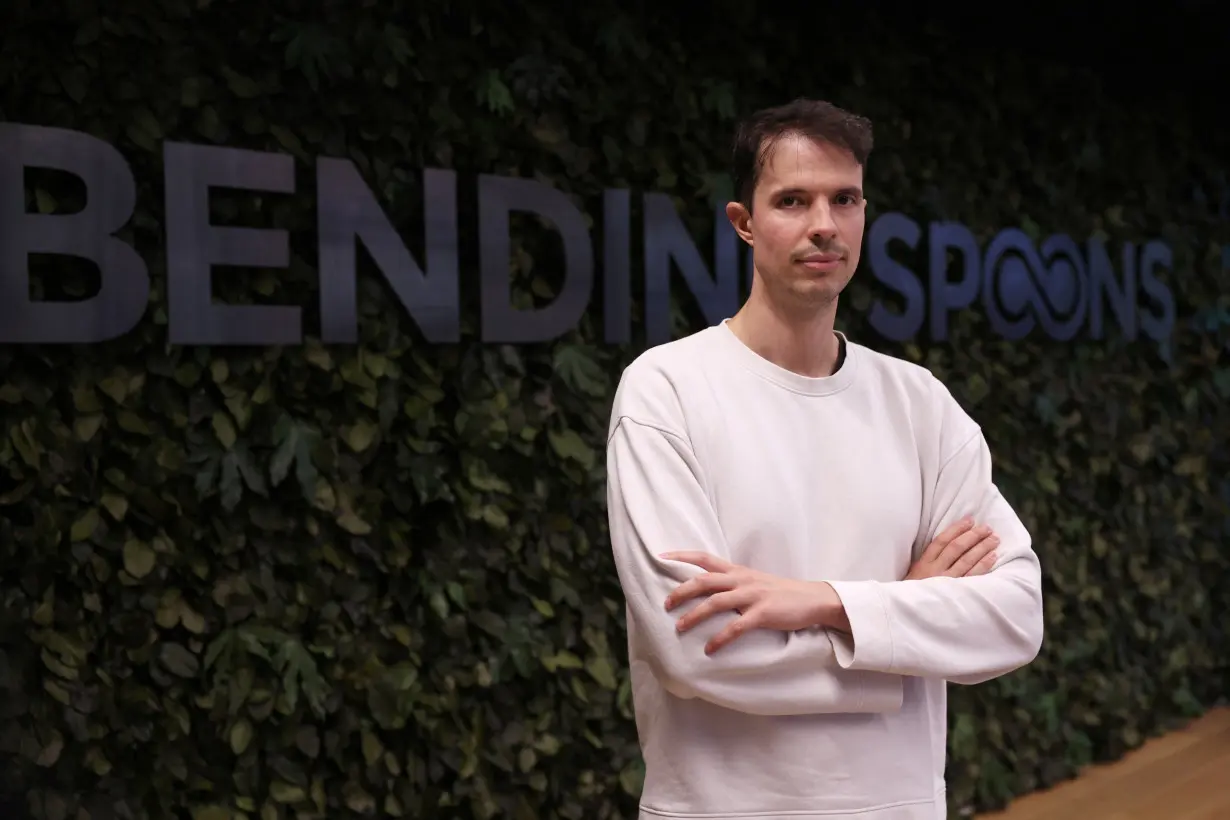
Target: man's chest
<point>807,490</point>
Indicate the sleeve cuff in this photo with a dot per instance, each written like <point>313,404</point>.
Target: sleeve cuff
<point>869,645</point>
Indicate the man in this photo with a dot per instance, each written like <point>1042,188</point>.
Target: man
<point>793,523</point>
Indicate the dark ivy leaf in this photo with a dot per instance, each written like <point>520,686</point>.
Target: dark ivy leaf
<point>177,659</point>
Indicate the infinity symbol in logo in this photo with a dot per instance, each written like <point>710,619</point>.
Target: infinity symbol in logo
<point>1021,285</point>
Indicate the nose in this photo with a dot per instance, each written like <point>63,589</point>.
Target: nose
<point>823,227</point>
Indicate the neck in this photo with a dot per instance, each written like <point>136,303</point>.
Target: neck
<point>799,341</point>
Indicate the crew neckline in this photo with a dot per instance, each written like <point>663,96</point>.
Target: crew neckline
<point>788,379</point>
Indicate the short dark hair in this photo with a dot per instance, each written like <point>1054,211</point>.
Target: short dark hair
<point>817,119</point>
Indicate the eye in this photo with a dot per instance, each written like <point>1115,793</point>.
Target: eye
<point>789,201</point>
<point>847,199</point>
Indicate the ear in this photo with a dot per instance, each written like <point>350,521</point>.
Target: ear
<point>741,219</point>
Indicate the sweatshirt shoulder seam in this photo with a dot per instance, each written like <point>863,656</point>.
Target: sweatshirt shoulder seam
<point>649,425</point>
<point>956,452</point>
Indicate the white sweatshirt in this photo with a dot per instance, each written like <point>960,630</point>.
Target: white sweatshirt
<point>843,479</point>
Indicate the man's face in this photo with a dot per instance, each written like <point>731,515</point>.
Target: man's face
<point>806,223</point>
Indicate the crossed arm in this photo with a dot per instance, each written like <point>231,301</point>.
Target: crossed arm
<point>655,502</point>
<point>764,645</point>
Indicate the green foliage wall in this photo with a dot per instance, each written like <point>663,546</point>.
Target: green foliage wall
<point>374,580</point>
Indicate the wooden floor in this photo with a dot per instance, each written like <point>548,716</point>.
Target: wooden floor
<point>1181,776</point>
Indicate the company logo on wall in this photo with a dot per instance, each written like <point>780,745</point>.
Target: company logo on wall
<point>1056,286</point>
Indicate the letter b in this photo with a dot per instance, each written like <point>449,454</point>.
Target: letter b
<point>111,196</point>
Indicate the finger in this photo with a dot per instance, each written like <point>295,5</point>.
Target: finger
<point>721,602</point>
<point>706,584</point>
<point>733,630</point>
<point>961,545</point>
<point>945,538</point>
<point>704,560</point>
<point>984,566</point>
<point>960,526</point>
<point>973,556</point>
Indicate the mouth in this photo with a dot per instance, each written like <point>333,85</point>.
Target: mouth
<point>821,261</point>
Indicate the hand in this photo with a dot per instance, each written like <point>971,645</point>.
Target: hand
<point>961,550</point>
<point>763,601</point>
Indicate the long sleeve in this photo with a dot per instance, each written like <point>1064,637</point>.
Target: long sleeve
<point>657,503</point>
<point>965,630</point>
